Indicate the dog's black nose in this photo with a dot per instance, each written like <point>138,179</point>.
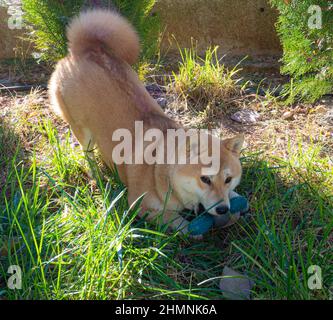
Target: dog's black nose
<point>222,209</point>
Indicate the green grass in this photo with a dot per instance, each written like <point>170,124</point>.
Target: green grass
<point>65,231</point>
<point>204,81</point>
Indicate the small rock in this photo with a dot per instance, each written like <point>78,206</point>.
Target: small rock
<point>234,285</point>
<point>329,117</point>
<point>154,88</point>
<point>250,90</point>
<point>246,116</point>
<point>162,102</point>
<point>288,115</point>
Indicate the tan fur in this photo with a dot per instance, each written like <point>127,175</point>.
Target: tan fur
<point>96,91</point>
<point>100,28</point>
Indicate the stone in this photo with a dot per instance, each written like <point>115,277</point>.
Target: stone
<point>154,88</point>
<point>235,286</point>
<point>288,115</point>
<point>162,102</point>
<point>246,116</point>
<point>328,118</point>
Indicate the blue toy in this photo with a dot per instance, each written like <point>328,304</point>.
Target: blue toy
<point>238,204</point>
<point>204,222</point>
<point>201,224</point>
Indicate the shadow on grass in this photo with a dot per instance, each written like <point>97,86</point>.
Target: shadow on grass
<point>12,155</point>
<point>287,230</point>
<point>15,160</point>
<point>11,148</point>
<point>74,237</point>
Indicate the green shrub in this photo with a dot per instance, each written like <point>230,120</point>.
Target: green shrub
<point>47,21</point>
<point>307,52</point>
<point>146,22</point>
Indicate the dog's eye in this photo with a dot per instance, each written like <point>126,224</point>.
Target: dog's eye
<point>228,180</point>
<point>206,180</point>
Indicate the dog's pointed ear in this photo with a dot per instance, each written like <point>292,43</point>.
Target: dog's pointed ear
<point>234,144</point>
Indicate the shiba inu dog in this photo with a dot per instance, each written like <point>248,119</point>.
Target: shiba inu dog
<point>97,92</point>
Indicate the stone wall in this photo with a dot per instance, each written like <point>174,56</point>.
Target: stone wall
<point>239,27</point>
<point>8,39</point>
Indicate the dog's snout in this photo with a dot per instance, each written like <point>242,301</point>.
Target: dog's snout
<point>222,209</point>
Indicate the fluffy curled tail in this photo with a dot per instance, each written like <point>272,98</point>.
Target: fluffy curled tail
<point>96,29</point>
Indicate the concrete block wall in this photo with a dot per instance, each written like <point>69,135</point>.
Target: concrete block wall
<point>239,27</point>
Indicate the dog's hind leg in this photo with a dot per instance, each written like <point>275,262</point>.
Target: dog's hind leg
<point>82,134</point>
<point>87,143</point>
